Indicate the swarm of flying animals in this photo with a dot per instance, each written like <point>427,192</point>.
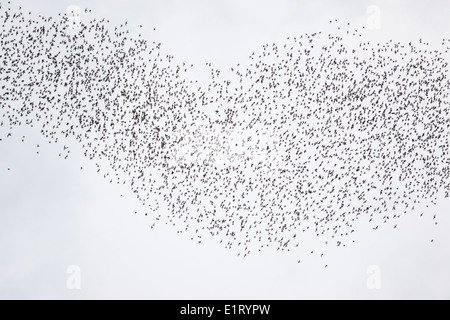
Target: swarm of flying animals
<point>331,129</point>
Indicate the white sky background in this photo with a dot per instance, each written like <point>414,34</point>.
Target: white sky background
<point>53,215</point>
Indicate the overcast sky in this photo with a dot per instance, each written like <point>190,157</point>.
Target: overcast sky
<point>54,215</point>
